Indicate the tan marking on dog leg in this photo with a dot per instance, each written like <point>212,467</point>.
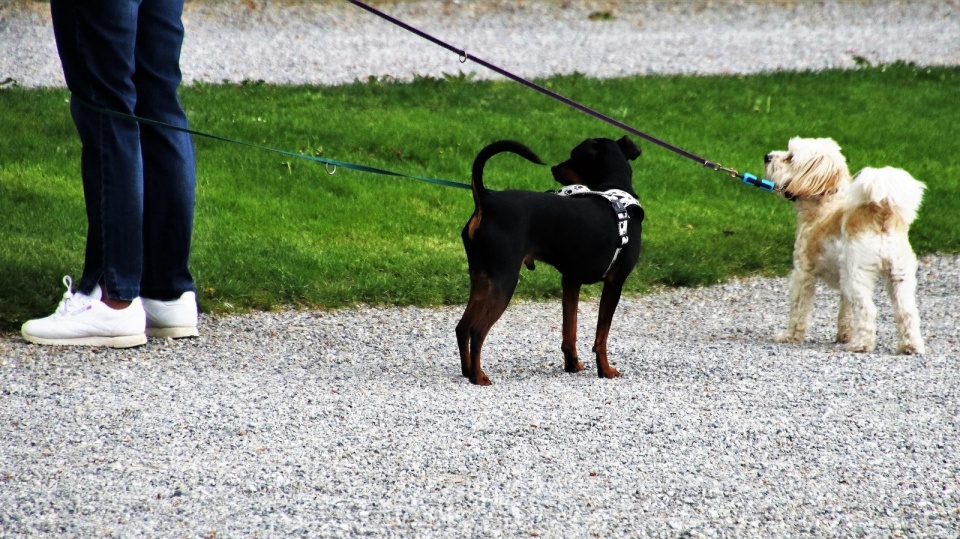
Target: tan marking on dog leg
<point>480,288</point>
<point>474,223</point>
<point>571,300</point>
<point>609,299</point>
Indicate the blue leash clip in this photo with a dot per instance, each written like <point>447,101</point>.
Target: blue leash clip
<point>762,183</point>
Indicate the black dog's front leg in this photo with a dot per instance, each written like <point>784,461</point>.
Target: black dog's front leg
<point>608,305</point>
<point>571,301</point>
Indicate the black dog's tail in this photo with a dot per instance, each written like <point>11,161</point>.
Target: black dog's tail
<point>476,179</point>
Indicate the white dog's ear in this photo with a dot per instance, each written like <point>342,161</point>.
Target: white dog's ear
<point>818,168</point>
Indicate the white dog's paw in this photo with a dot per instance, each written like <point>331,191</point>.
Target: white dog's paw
<point>788,336</point>
<point>843,337</point>
<point>859,347</point>
<point>910,348</point>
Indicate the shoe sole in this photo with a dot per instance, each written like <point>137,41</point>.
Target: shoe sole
<point>123,341</point>
<point>173,332</point>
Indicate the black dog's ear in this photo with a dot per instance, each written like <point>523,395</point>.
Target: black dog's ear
<point>630,150</point>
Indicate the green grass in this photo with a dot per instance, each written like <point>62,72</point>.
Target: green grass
<point>274,231</point>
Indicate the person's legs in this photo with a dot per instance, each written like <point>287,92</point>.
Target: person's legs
<point>169,170</point>
<point>139,182</point>
<point>97,42</point>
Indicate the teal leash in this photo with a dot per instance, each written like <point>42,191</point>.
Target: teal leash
<point>327,162</point>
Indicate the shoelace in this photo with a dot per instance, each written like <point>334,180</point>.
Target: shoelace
<point>71,302</point>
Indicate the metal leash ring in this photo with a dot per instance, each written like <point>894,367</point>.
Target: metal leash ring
<point>327,167</point>
<point>717,167</point>
<point>732,172</point>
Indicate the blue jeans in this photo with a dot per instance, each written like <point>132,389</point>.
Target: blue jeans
<point>139,182</point>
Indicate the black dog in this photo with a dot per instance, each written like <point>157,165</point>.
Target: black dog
<point>586,236</point>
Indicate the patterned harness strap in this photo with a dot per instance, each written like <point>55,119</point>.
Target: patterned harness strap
<point>619,200</point>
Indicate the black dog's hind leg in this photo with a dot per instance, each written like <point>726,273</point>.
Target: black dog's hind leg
<point>488,300</point>
<point>463,327</point>
<point>480,290</point>
<point>571,301</point>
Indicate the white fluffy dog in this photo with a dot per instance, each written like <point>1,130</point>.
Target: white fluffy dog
<point>849,232</point>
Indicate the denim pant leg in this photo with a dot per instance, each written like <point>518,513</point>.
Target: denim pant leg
<point>169,164</point>
<point>96,45</point>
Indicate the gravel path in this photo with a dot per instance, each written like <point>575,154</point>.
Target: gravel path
<point>339,43</point>
<point>356,423</point>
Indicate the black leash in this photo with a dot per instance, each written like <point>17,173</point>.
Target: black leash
<point>747,178</point>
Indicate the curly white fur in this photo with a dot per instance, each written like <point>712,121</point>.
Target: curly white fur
<point>849,233</point>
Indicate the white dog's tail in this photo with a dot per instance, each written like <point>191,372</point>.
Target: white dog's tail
<point>891,187</point>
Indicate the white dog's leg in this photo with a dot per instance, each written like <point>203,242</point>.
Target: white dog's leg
<point>802,289</point>
<point>857,281</point>
<point>844,321</point>
<point>902,286</point>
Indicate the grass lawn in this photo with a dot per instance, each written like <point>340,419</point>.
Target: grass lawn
<point>274,231</point>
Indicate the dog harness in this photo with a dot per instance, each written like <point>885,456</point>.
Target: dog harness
<point>619,200</point>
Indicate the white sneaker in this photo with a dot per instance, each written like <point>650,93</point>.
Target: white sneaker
<point>174,319</point>
<point>86,321</point>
